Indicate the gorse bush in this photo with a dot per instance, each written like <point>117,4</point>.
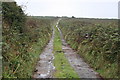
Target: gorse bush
<point>13,15</point>
<point>96,40</point>
<point>24,38</point>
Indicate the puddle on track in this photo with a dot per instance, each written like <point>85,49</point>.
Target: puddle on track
<point>82,68</point>
<point>45,66</point>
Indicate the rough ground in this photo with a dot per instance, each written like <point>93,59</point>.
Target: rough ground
<point>45,67</point>
<point>82,68</point>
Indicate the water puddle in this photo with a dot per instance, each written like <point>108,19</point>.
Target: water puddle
<point>45,67</point>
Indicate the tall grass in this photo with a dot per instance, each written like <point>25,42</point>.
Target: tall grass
<point>23,40</point>
<point>96,40</point>
<point>20,53</point>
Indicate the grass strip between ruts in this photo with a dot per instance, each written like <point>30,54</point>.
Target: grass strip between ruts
<point>63,68</point>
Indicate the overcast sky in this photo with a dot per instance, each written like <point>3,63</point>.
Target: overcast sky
<point>77,8</point>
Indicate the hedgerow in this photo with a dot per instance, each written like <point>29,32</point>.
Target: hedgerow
<point>96,40</point>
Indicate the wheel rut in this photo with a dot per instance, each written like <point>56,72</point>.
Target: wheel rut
<point>79,65</point>
<point>45,66</point>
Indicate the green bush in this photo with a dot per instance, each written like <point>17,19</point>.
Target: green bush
<point>24,38</point>
<point>96,40</point>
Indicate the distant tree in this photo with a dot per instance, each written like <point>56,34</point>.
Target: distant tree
<point>73,17</point>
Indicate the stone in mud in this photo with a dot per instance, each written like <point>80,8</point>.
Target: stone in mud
<point>36,70</point>
<point>59,51</point>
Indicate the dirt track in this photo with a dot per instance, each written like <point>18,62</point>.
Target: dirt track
<point>82,68</point>
<point>45,67</point>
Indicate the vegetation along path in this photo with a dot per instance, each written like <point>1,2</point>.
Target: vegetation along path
<point>58,60</point>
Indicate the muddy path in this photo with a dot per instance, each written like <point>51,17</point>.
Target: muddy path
<point>45,66</point>
<point>81,67</point>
